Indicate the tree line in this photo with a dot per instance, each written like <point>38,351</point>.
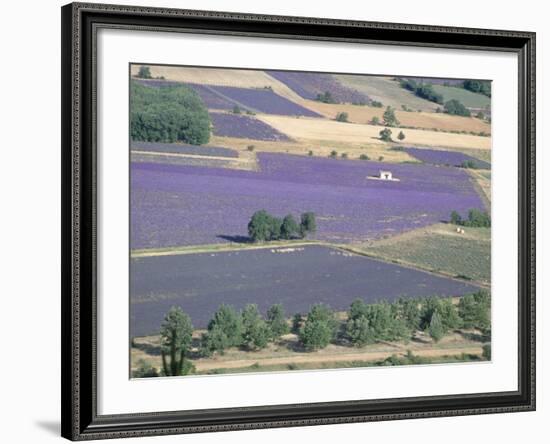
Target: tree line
<point>266,227</point>
<point>476,219</point>
<point>363,324</point>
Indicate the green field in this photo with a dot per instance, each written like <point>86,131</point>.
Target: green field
<point>467,98</point>
<point>439,248</point>
<point>387,91</point>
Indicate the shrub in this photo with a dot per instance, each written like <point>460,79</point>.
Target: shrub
<point>385,135</point>
<point>236,110</point>
<point>250,147</point>
<point>145,370</point>
<point>401,135</point>
<point>375,120</point>
<point>486,353</point>
<point>297,322</point>
<point>454,107</point>
<point>333,154</point>
<point>376,104</point>
<point>342,117</point>
<point>344,155</point>
<point>389,117</point>
<point>310,153</point>
<point>326,97</point>
<point>364,157</point>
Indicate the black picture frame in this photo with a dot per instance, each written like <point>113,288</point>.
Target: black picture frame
<point>80,22</point>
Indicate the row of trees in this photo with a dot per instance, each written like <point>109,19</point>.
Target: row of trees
<point>386,133</point>
<point>456,108</point>
<point>476,218</point>
<point>478,86</point>
<point>364,324</point>
<point>423,90</point>
<point>168,114</point>
<point>265,227</point>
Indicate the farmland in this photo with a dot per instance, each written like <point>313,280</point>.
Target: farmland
<point>234,125</point>
<point>439,248</point>
<point>423,120</point>
<point>178,205</point>
<point>318,129</point>
<point>296,279</point>
<point>450,158</point>
<point>275,227</point>
<point>467,98</point>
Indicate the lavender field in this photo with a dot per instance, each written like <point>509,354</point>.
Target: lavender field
<point>200,283</point>
<point>308,85</point>
<point>449,158</point>
<point>181,148</point>
<point>174,205</point>
<point>236,125</point>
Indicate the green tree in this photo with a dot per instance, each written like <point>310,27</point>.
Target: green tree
<point>308,224</point>
<point>342,117</point>
<point>260,225</point>
<point>385,135</point>
<point>144,72</point>
<point>175,333</point>
<point>224,330</point>
<point>236,109</point>
<point>277,321</point>
<point>454,107</point>
<point>289,227</point>
<point>168,114</point>
<point>319,328</point>
<point>477,218</point>
<point>401,136</point>
<point>389,117</point>
<point>436,329</point>
<point>326,97</point>
<point>456,219</point>
<point>359,331</point>
<point>333,154</point>
<point>297,322</point>
<point>474,309</point>
<point>486,353</point>
<point>375,120</point>
<point>256,333</point>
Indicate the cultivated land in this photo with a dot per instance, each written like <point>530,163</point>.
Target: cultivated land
<point>439,248</point>
<point>424,120</point>
<point>324,130</point>
<point>387,91</point>
<point>467,98</point>
<point>376,240</point>
<point>241,78</point>
<point>296,277</point>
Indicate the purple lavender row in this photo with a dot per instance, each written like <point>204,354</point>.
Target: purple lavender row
<point>235,125</point>
<point>449,158</point>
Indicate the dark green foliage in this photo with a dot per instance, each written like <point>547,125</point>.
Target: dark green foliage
<point>333,154</point>
<point>380,158</point>
<point>385,135</point>
<point>175,333</point>
<point>144,370</point>
<point>359,331</point>
<point>319,328</point>
<point>435,328</point>
<point>310,153</point>
<point>455,108</point>
<point>409,310</point>
<point>236,110</point>
<point>277,321</point>
<point>422,90</point>
<point>364,157</point>
<point>476,218</point>
<point>375,120</point>
<point>308,224</point>
<point>169,114</point>
<point>326,97</point>
<point>478,86</point>
<point>342,117</point>
<point>474,309</point>
<point>297,322</point>
<point>224,330</point>
<point>144,72</point>
<point>471,164</point>
<point>256,332</point>
<point>480,115</point>
<point>376,104</point>
<point>389,117</point>
<point>344,155</point>
<point>289,227</point>
<point>250,147</point>
<point>401,135</point>
<point>446,310</point>
<point>265,227</point>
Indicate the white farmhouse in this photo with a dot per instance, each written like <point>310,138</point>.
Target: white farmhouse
<point>385,175</point>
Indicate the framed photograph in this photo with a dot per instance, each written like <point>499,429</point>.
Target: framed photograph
<point>283,221</point>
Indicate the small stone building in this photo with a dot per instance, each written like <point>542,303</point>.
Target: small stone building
<point>386,175</point>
